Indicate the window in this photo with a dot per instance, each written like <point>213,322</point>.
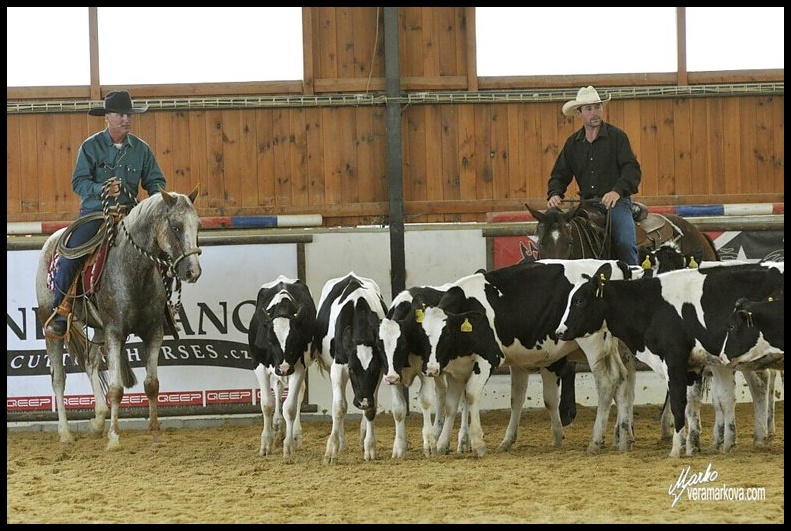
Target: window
<point>531,41</point>
<point>154,45</point>
<point>47,46</point>
<point>735,38</point>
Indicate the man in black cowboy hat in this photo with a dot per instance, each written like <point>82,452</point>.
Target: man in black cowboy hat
<point>114,162</point>
<point>600,157</point>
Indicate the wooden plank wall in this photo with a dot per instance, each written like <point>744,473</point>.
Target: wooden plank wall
<point>460,160</point>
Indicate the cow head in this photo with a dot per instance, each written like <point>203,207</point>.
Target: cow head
<point>755,333</point>
<point>281,329</point>
<point>585,311</point>
<point>668,257</point>
<point>357,328</point>
<point>452,336</point>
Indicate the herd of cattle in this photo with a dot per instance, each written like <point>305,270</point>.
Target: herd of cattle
<point>539,316</point>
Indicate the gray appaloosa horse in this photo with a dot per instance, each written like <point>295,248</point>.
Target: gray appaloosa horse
<point>155,245</point>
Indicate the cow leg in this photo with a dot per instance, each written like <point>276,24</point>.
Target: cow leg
<point>552,403</point>
<point>336,440</point>
<point>450,406</point>
<point>473,396</point>
<point>369,440</point>
<point>267,409</point>
<point>758,383</point>
<point>666,420</point>
<point>770,406</point>
<point>429,407</point>
<point>692,413</point>
<point>623,436</point>
<point>607,380</point>
<point>291,408</point>
<point>399,417</point>
<point>723,385</point>
<point>277,416</point>
<point>519,379</point>
<point>677,388</point>
<point>463,445</point>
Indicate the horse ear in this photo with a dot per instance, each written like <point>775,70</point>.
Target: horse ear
<point>537,215</point>
<point>194,193</point>
<point>169,199</point>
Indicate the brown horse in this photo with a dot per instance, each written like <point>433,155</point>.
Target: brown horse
<point>577,233</point>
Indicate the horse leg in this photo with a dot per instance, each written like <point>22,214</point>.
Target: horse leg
<point>58,374</point>
<point>115,388</point>
<point>93,368</point>
<point>151,383</point>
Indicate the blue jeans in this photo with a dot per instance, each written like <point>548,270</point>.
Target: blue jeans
<point>624,238</point>
<point>69,267</point>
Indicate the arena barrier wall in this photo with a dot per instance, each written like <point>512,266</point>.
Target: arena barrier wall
<point>208,371</point>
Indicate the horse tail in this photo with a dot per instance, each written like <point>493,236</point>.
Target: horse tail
<point>127,375</point>
<point>714,247</point>
<point>88,355</point>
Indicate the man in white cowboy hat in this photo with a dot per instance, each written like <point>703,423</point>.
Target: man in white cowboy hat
<point>600,157</point>
<point>114,162</point>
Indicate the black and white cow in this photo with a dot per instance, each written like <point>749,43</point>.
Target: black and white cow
<point>280,337</point>
<point>760,381</point>
<point>755,344</point>
<point>404,344</point>
<point>508,317</point>
<point>346,342</point>
<point>674,322</point>
<point>756,333</point>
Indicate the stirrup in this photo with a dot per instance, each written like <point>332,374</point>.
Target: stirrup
<point>48,332</point>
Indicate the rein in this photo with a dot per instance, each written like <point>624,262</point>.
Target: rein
<point>167,266</point>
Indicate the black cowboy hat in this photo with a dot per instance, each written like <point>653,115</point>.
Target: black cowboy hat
<point>118,101</point>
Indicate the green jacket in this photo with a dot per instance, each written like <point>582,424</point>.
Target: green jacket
<point>98,160</point>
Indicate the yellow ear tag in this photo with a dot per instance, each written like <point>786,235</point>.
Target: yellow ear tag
<point>692,263</point>
<point>419,315</point>
<point>600,289</point>
<point>466,326</point>
<point>646,263</point>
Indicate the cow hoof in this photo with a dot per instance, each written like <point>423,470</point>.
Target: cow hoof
<point>504,447</point>
<point>594,449</point>
<point>329,460</point>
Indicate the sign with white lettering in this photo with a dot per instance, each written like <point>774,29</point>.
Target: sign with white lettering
<point>209,364</point>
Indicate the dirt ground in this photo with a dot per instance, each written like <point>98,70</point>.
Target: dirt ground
<point>216,476</point>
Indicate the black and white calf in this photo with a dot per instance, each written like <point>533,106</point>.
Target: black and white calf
<point>280,339</point>
<point>755,344</point>
<point>347,327</point>
<point>676,321</point>
<point>756,333</point>
<point>760,381</point>
<point>508,317</point>
<point>405,347</point>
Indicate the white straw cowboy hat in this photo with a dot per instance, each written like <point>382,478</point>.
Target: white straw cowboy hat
<point>118,101</point>
<point>585,96</point>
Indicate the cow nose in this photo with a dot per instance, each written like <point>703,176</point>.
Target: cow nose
<point>284,368</point>
<point>393,379</point>
<point>432,370</point>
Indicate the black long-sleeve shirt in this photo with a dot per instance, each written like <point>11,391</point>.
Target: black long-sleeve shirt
<point>599,167</point>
